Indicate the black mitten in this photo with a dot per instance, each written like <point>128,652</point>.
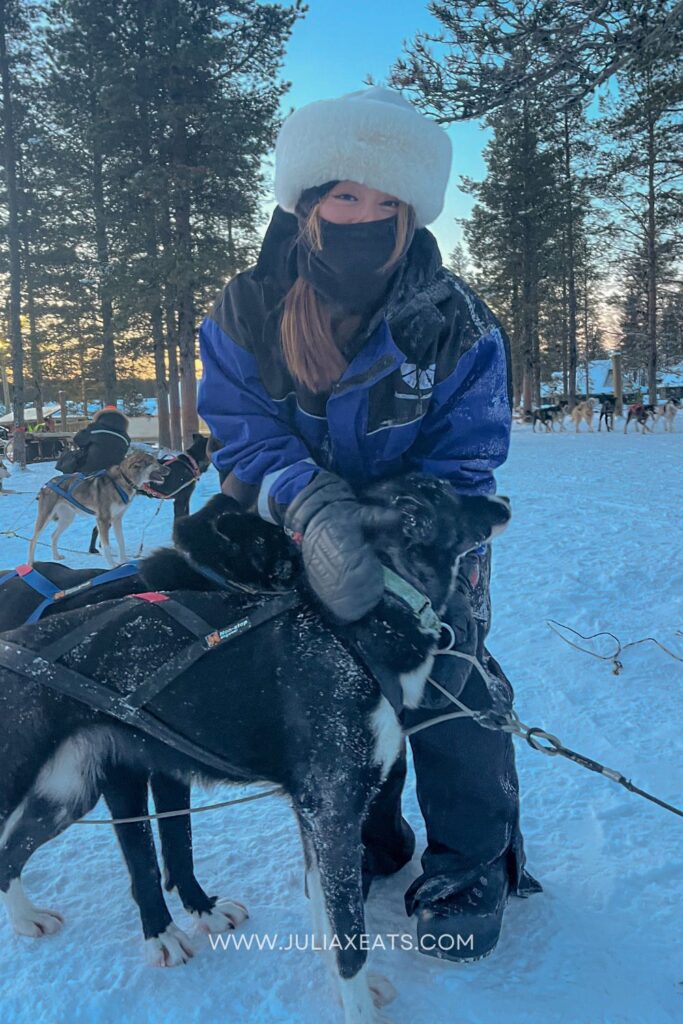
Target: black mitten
<point>341,566</point>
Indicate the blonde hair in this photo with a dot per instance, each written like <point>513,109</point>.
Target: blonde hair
<point>310,343</point>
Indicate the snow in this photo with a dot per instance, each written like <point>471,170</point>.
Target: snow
<point>594,542</point>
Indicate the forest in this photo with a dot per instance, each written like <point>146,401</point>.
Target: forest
<point>136,161</point>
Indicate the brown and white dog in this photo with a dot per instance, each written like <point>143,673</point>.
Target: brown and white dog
<point>667,412</point>
<point>106,496</point>
<point>640,414</point>
<point>583,411</point>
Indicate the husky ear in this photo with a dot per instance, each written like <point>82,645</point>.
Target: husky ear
<point>417,520</point>
<point>229,528</point>
<point>481,519</point>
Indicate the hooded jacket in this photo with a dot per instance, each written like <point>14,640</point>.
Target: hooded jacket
<point>103,443</point>
<point>427,388</point>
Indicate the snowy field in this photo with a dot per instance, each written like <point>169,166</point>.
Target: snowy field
<point>595,542</point>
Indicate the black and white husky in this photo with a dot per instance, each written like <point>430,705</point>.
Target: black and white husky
<point>239,550</point>
<point>288,702</point>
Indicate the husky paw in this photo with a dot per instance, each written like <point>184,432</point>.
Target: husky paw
<point>381,989</point>
<point>35,922</point>
<point>170,949</point>
<point>225,916</point>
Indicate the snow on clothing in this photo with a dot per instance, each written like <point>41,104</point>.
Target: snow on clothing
<point>103,443</point>
<point>428,388</point>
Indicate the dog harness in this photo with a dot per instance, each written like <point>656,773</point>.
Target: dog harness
<point>132,707</point>
<point>103,430</point>
<point>186,460</point>
<point>51,593</point>
<point>65,485</point>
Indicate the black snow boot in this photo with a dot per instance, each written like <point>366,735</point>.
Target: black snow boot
<point>465,926</point>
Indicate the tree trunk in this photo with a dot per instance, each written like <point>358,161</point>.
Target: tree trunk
<point>36,370</point>
<point>529,296</point>
<point>571,282</point>
<point>154,306</point>
<point>161,381</point>
<point>14,245</point>
<point>169,299</point>
<point>617,384</point>
<point>565,327</point>
<point>184,289</point>
<point>536,348</point>
<point>517,366</point>
<point>651,257</point>
<point>102,245</point>
<point>173,379</point>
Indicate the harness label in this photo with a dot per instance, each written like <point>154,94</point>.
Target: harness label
<point>213,639</point>
<point>72,590</point>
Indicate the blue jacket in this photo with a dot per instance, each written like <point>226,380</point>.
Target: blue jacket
<point>428,388</point>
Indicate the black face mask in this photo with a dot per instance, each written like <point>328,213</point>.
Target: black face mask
<point>346,271</point>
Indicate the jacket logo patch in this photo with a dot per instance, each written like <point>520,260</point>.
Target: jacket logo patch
<point>417,378</point>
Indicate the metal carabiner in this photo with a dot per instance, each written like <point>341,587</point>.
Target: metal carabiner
<point>451,643</point>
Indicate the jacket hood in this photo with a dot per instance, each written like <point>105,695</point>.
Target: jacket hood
<point>111,419</point>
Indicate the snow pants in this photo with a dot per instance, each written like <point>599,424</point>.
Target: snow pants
<point>468,793</point>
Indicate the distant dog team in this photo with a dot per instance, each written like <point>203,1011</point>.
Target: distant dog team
<point>638,413</point>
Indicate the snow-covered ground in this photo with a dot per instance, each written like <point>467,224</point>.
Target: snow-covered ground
<point>595,542</point>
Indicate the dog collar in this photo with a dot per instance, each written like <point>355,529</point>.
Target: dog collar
<point>419,605</point>
<point>227,583</point>
<point>215,577</point>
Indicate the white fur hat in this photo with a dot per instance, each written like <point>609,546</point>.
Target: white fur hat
<point>373,136</point>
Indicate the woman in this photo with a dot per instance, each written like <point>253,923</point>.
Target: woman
<point>349,353</point>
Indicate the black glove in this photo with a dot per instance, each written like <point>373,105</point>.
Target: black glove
<point>341,566</point>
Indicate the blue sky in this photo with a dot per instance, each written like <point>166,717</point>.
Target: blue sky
<point>335,47</point>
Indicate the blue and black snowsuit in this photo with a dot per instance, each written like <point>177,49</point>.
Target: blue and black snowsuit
<point>427,388</point>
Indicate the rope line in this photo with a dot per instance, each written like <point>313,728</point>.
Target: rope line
<point>499,716</point>
<point>184,810</point>
<point>617,664</point>
<point>43,543</point>
<point>148,523</point>
<point>506,719</point>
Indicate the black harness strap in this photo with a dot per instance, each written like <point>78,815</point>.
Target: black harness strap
<point>389,682</point>
<point>73,684</point>
<point>207,639</point>
<point>42,667</point>
<point>66,643</point>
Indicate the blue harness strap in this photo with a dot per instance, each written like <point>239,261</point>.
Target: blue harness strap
<point>65,485</point>
<point>51,593</point>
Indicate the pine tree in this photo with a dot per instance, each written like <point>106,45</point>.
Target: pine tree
<point>12,21</point>
<point>641,179</point>
<point>507,236</point>
<point>141,131</point>
<point>495,57</point>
